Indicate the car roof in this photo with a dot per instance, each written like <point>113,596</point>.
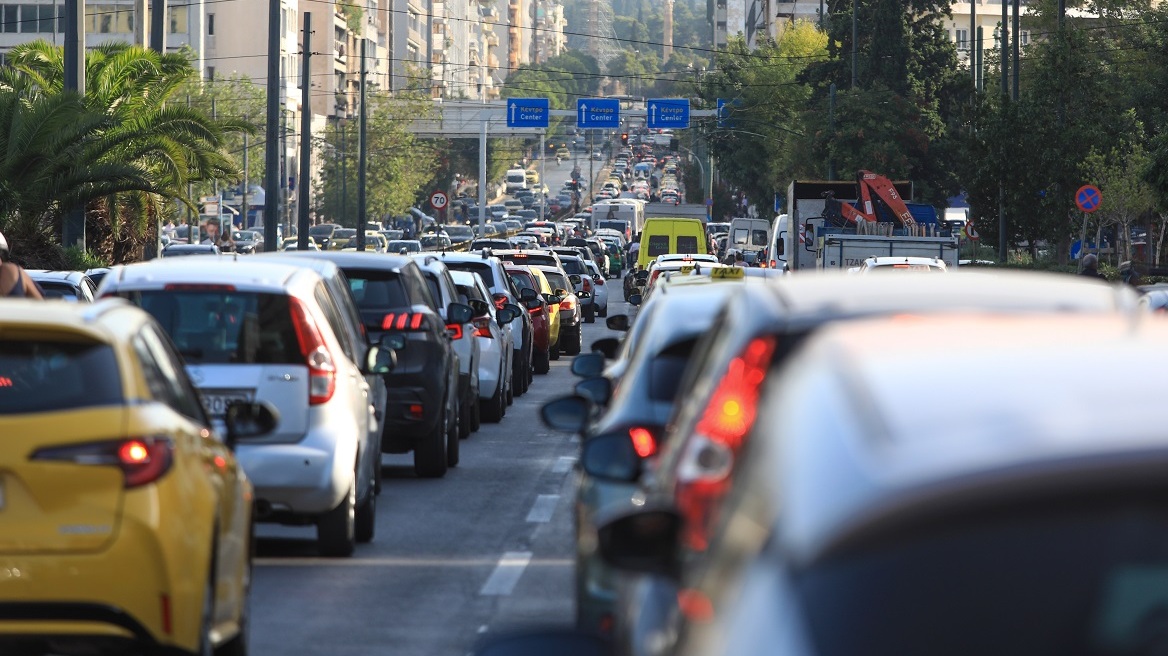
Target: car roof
<point>251,271</point>
<point>698,304</point>
<point>892,450</point>
<point>45,274</point>
<point>101,320</point>
<point>341,259</point>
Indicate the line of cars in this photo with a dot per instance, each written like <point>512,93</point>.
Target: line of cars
<point>802,465</point>
<point>197,397</point>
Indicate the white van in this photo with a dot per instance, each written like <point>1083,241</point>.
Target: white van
<point>749,234</point>
<point>516,179</point>
<point>631,210</point>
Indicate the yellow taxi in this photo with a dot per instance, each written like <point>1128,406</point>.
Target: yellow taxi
<point>545,290</point>
<point>125,522</point>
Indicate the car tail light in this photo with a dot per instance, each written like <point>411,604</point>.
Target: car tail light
<point>535,310</point>
<point>482,327</point>
<point>454,330</point>
<point>568,303</point>
<point>600,281</point>
<point>322,373</point>
<point>142,459</point>
<point>409,321</point>
<point>587,284</point>
<point>708,459</point>
<point>644,442</point>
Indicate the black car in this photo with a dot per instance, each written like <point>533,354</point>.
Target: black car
<point>422,392</point>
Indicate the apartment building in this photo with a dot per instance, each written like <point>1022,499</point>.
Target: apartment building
<point>548,33</point>
<point>450,48</point>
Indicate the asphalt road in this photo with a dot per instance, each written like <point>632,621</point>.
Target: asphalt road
<point>487,548</point>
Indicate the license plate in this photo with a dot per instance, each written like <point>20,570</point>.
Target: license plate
<point>216,401</point>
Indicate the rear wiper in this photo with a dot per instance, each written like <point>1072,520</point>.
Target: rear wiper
<point>192,353</point>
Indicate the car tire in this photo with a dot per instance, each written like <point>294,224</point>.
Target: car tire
<point>492,408</point>
<point>465,420</point>
<point>430,453</point>
<point>476,411</point>
<point>336,530</point>
<point>542,363</point>
<point>576,344</point>
<point>452,440</point>
<point>590,313</point>
<point>554,352</point>
<point>604,311</point>
<point>366,522</point>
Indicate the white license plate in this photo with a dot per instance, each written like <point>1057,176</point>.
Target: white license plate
<point>216,402</point>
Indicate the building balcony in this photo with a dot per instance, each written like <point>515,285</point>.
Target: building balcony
<point>492,40</point>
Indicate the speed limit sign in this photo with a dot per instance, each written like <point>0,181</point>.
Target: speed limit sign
<point>438,200</point>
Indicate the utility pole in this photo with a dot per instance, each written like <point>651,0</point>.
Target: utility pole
<point>1005,44</point>
<point>158,26</point>
<point>344,169</point>
<point>972,30</point>
<point>215,116</point>
<point>831,129</point>
<point>305,136</point>
<point>483,172</point>
<point>855,37</point>
<point>73,227</point>
<point>1017,47</point>
<point>1004,41</point>
<point>244,207</point>
<point>362,149</point>
<point>273,178</point>
<point>979,74</point>
<point>543,168</point>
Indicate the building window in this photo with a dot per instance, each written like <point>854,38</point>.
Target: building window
<point>11,18</point>
<point>210,72</point>
<point>28,18</point>
<point>178,19</point>
<point>963,39</point>
<point>1024,37</point>
<point>210,24</point>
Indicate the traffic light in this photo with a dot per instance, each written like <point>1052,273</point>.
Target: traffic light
<point>625,138</point>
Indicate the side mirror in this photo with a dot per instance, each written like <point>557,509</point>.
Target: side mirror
<point>246,419</point>
<point>617,322</point>
<point>598,390</point>
<point>634,299</point>
<point>504,316</point>
<point>478,307</point>
<point>459,313</point>
<point>560,642</point>
<point>533,303</point>
<point>575,279</point>
<point>528,294</point>
<point>611,457</point>
<point>583,295</point>
<point>381,360</point>
<point>393,342</point>
<point>561,292</point>
<point>568,413</point>
<point>609,347</point>
<point>587,365</point>
<point>515,310</point>
<point>641,276</point>
<point>646,542</point>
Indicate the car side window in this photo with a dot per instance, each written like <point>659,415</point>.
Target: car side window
<point>416,286</point>
<point>171,384</point>
<point>332,315</point>
<point>346,305</point>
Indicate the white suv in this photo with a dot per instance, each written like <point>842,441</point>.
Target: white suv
<point>273,332</point>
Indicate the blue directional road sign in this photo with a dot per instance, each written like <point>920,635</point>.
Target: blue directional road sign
<point>527,112</point>
<point>726,110</point>
<point>668,113</point>
<point>598,113</point>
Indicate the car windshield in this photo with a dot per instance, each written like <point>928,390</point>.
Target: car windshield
<point>224,326</point>
<point>481,268</point>
<point>521,280</point>
<point>573,266</point>
<point>557,280</point>
<point>43,374</point>
<point>969,585</point>
<point>407,245</point>
<point>321,230</point>
<point>459,231</point>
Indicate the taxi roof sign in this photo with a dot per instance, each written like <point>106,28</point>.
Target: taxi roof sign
<point>728,273</point>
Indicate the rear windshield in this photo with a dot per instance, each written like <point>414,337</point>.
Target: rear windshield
<point>557,281</point>
<point>224,327</point>
<point>1058,578</point>
<point>658,245</point>
<point>573,266</point>
<point>377,289</point>
<point>41,375</point>
<point>687,244</point>
<point>432,283</point>
<point>61,290</point>
<point>522,280</point>
<point>484,270</point>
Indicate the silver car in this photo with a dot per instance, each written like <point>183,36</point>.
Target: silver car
<point>273,332</point>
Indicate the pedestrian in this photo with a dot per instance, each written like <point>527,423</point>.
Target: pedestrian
<point>14,282</point>
<point>1129,274</point>
<point>1090,266</point>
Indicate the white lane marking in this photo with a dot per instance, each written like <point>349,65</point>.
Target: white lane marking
<point>502,581</point>
<point>543,508</point>
<point>422,563</point>
<point>564,465</point>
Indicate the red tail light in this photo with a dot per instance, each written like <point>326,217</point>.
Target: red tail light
<point>411,321</point>
<point>709,458</point>
<point>322,373</point>
<point>587,283</point>
<point>644,443</point>
<point>454,330</point>
<point>194,287</point>
<point>774,263</point>
<point>482,327</point>
<point>142,459</point>
<point>568,303</point>
<point>535,310</point>
<point>600,281</point>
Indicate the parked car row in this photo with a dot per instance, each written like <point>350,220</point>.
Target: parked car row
<point>803,465</point>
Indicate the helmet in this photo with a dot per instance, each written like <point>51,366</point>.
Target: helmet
<point>4,252</point>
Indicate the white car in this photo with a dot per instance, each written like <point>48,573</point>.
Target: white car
<point>682,258</point>
<point>599,289</point>
<point>495,345</point>
<point>276,332</point>
<point>918,264</point>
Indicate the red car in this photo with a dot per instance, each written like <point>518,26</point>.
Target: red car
<point>540,320</point>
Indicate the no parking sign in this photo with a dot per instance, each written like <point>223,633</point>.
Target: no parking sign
<point>1088,198</point>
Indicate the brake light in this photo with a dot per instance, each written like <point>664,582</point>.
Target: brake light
<point>568,303</point>
<point>142,460</point>
<point>643,441</point>
<point>411,321</point>
<point>600,281</point>
<point>708,460</point>
<point>322,373</point>
<point>587,284</point>
<point>535,310</point>
<point>195,287</point>
<point>774,263</point>
<point>454,330</point>
<point>482,327</point>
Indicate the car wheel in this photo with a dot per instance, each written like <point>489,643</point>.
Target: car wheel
<point>492,408</point>
<point>542,364</point>
<point>576,343</point>
<point>590,313</point>
<point>604,311</point>
<point>430,453</point>
<point>553,353</point>
<point>465,420</point>
<point>452,439</point>
<point>336,531</point>
<point>366,519</point>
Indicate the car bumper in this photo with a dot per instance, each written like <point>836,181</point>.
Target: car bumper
<point>308,478</point>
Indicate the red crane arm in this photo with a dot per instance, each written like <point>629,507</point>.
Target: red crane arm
<point>884,189</point>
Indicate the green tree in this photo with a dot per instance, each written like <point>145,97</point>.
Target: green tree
<point>237,98</point>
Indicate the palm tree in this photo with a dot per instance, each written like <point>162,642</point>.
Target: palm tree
<point>170,144</point>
